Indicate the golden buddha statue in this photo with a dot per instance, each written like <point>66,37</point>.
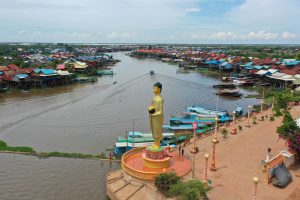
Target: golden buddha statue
<point>156,115</point>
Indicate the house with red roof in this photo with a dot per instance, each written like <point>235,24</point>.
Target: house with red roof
<point>13,67</point>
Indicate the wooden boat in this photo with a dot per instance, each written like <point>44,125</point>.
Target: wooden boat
<point>183,129</point>
<point>3,89</point>
<point>105,72</point>
<point>238,111</point>
<point>138,139</point>
<point>174,121</point>
<point>82,79</point>
<point>243,82</point>
<point>222,86</point>
<point>228,92</point>
<point>205,111</point>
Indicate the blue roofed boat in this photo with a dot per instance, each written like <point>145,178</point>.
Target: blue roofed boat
<point>239,111</point>
<point>139,139</point>
<point>104,72</point>
<point>200,113</point>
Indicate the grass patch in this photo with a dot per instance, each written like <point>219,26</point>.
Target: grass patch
<point>5,147</point>
<point>31,151</point>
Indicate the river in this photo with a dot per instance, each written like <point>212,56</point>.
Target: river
<point>87,118</point>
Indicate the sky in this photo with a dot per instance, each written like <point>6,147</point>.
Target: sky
<point>151,21</point>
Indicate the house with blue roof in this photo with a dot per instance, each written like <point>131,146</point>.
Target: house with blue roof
<point>20,77</point>
<point>212,63</point>
<point>225,66</point>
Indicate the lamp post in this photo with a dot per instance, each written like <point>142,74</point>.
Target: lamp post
<point>261,106</point>
<point>255,180</point>
<point>206,156</point>
<point>213,162</point>
<point>273,101</point>
<point>195,126</point>
<point>233,129</point>
<point>248,120</point>
<point>216,130</point>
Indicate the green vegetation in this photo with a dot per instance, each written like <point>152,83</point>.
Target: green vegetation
<point>224,132</point>
<point>5,147</point>
<point>31,151</point>
<point>272,118</point>
<point>191,190</point>
<point>164,181</point>
<point>288,130</point>
<point>69,155</point>
<point>297,56</point>
<point>240,127</point>
<point>254,121</point>
<point>170,185</point>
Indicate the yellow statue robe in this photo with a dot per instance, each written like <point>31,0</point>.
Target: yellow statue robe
<point>156,119</point>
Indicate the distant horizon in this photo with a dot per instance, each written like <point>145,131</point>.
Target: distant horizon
<point>151,21</point>
<point>136,43</point>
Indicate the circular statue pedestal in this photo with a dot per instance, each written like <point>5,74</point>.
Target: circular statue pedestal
<point>135,163</point>
<point>156,163</point>
<point>157,158</point>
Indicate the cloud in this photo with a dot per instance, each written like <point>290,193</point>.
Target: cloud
<point>223,36</point>
<point>125,35</point>
<point>250,36</point>
<point>262,35</point>
<point>287,35</point>
<point>189,10</point>
<point>262,14</point>
<point>150,20</point>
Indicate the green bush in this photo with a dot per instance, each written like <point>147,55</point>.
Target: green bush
<point>164,181</point>
<point>5,147</point>
<point>272,118</point>
<point>240,127</point>
<point>191,190</point>
<point>224,132</point>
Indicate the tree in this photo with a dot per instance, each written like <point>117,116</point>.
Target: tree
<point>290,132</point>
<point>164,181</point>
<point>282,100</point>
<point>297,56</point>
<point>191,190</point>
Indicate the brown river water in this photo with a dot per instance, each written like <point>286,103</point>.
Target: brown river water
<point>87,118</point>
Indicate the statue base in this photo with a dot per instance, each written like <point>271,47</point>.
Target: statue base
<point>156,158</point>
<point>156,163</point>
<point>136,163</point>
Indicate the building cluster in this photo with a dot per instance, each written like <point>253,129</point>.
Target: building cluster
<point>274,71</point>
<point>52,67</point>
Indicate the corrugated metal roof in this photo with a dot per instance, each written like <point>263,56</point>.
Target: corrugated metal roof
<point>261,72</point>
<point>21,76</point>
<point>45,71</point>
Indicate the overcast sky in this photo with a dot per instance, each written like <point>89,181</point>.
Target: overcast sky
<point>150,21</point>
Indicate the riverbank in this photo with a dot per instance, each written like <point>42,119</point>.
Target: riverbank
<point>28,151</point>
